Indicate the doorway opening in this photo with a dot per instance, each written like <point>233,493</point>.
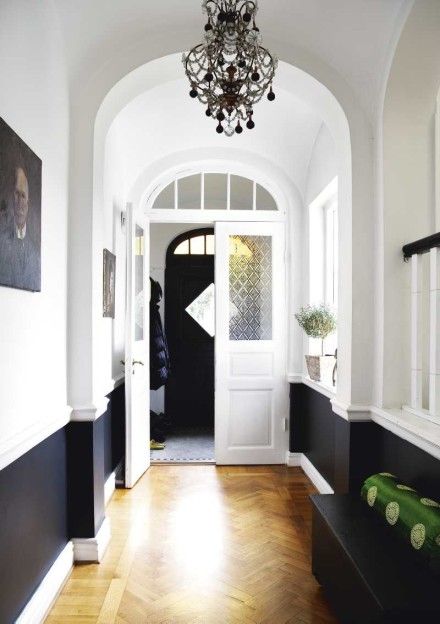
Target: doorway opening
<point>182,296</point>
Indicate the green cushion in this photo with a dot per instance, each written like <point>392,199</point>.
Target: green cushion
<point>414,518</point>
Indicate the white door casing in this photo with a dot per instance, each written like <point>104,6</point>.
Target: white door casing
<point>251,396</point>
<point>137,360</point>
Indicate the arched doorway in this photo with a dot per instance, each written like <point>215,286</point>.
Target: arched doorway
<point>189,326</point>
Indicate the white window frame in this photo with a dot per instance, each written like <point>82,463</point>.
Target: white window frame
<point>323,256</point>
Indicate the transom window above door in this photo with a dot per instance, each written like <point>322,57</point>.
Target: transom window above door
<point>215,191</point>
<point>197,245</point>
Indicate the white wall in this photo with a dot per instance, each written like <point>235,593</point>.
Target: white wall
<point>409,180</point>
<point>161,235</point>
<point>323,165</point>
<point>33,101</point>
<point>109,333</point>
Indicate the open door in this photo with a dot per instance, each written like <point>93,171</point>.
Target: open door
<point>251,400</point>
<point>137,369</point>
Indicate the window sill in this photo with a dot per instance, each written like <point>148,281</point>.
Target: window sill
<point>319,386</point>
<point>411,425</point>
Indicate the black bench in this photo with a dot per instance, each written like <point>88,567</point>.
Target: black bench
<point>366,572</point>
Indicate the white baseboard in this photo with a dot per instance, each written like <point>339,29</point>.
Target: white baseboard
<point>315,477</point>
<point>46,593</point>
<point>299,459</point>
<point>92,549</point>
<point>109,488</point>
<point>293,459</point>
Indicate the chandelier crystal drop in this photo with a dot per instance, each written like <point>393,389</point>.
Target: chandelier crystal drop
<point>230,71</point>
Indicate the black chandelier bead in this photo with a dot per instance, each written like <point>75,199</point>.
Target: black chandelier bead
<point>250,124</point>
<point>255,76</point>
<point>193,93</point>
<point>208,26</point>
<point>221,116</point>
<point>208,112</point>
<point>271,95</point>
<point>238,128</point>
<point>221,17</point>
<point>221,61</point>
<point>219,128</point>
<point>247,17</point>
<point>209,77</point>
<point>241,63</point>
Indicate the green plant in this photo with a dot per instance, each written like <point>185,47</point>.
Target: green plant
<point>318,321</point>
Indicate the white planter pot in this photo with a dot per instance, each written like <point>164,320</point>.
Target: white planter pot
<point>320,368</point>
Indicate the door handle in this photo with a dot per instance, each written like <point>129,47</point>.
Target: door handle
<point>137,362</point>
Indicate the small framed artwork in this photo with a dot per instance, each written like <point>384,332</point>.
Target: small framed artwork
<point>20,213</point>
<point>109,278</point>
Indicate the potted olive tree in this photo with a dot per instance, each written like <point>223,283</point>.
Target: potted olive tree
<point>318,321</point>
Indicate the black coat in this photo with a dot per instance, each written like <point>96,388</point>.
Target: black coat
<point>159,354</point>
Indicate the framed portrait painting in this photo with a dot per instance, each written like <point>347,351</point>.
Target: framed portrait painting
<point>109,279</point>
<point>20,212</point>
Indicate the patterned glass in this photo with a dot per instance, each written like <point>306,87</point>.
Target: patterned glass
<point>250,287</point>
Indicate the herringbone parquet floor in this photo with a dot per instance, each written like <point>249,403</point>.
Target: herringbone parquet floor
<point>203,545</point>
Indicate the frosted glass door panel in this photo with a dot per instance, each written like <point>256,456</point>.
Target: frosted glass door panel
<point>250,287</point>
<point>139,283</point>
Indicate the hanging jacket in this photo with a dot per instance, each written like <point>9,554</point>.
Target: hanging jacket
<point>159,354</point>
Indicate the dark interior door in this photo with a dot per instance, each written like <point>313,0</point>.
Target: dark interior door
<point>189,393</point>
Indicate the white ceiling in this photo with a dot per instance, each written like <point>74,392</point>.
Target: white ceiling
<point>352,36</point>
<point>165,120</point>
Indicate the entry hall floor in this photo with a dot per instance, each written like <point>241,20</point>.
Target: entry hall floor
<point>203,545</point>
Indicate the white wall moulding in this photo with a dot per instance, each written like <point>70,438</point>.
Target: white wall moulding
<point>16,446</point>
<point>352,413</point>
<point>408,424</point>
<point>89,413</point>
<point>299,459</point>
<point>92,549</point>
<point>327,391</point>
<point>46,593</point>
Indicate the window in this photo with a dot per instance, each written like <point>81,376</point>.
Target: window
<point>214,191</point>
<point>323,256</point>
<point>195,245</point>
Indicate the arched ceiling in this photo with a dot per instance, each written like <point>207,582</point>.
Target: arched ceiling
<point>351,36</point>
<point>165,120</point>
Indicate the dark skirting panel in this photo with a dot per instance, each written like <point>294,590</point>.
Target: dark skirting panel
<point>346,453</point>
<point>33,521</point>
<point>312,429</point>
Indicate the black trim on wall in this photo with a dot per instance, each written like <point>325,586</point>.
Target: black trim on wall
<point>95,449</point>
<point>33,521</point>
<point>85,470</point>
<point>345,453</point>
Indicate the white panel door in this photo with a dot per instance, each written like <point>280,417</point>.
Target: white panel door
<point>251,396</point>
<point>137,369</point>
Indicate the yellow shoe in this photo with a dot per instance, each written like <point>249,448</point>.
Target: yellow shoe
<point>156,446</point>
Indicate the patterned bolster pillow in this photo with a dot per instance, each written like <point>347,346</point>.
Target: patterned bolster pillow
<point>414,518</point>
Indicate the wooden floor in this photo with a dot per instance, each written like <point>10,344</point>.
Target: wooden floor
<point>203,545</point>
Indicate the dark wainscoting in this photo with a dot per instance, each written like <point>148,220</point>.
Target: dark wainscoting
<point>52,493</point>
<point>95,449</point>
<point>346,453</point>
<point>114,431</point>
<point>33,521</point>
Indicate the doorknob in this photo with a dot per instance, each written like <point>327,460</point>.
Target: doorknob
<point>137,362</point>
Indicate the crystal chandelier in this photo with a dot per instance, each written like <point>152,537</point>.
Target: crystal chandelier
<point>230,71</point>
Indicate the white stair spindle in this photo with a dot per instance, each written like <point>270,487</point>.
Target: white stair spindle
<point>416,331</point>
<point>434,332</point>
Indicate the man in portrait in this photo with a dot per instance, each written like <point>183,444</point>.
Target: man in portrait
<point>20,264</point>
